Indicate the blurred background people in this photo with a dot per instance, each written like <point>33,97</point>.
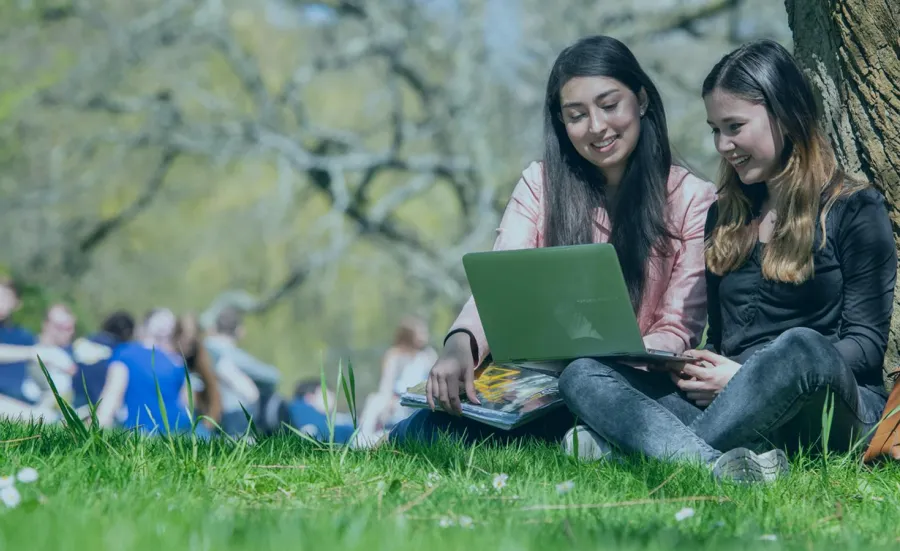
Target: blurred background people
<point>243,379</point>
<point>405,364</point>
<point>136,368</point>
<point>189,339</point>
<point>93,353</point>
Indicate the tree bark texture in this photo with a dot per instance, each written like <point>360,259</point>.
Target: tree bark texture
<point>850,49</point>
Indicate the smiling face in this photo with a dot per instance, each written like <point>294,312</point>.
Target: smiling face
<point>602,117</point>
<point>746,135</point>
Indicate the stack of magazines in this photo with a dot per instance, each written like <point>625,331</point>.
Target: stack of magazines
<point>511,395</point>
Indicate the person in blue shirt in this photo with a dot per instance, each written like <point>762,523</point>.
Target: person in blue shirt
<point>93,354</point>
<point>135,370</point>
<point>307,413</point>
<point>16,346</point>
<point>18,349</point>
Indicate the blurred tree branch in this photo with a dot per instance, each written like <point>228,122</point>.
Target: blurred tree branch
<point>440,116</point>
<point>104,228</point>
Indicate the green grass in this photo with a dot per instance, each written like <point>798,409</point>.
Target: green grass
<point>118,491</point>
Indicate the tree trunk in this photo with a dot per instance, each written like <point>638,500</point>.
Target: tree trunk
<point>851,51</point>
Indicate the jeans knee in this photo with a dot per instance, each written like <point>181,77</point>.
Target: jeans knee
<point>578,374</point>
<point>809,346</point>
<point>812,351</point>
<point>799,355</point>
<point>802,338</point>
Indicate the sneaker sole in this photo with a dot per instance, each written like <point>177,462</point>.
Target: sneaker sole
<point>742,465</point>
<point>774,463</point>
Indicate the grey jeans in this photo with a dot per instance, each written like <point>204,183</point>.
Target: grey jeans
<point>776,399</point>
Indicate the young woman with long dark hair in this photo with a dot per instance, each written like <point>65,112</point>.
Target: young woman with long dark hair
<point>607,176</point>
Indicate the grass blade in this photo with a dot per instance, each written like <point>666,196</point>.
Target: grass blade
<point>190,408</point>
<point>329,417</point>
<point>318,444</point>
<point>348,446</point>
<point>827,419</point>
<point>162,403</point>
<point>73,421</point>
<point>251,426</point>
<point>92,408</point>
<point>219,428</point>
<point>190,395</point>
<point>349,387</point>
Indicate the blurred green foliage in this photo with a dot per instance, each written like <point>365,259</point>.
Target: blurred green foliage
<point>219,222</point>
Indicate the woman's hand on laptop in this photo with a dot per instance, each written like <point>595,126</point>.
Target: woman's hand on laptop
<point>453,368</point>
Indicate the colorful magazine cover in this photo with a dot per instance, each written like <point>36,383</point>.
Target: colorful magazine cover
<point>510,395</point>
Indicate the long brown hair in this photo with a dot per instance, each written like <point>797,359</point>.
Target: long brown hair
<point>408,332</point>
<point>189,340</point>
<point>809,183</point>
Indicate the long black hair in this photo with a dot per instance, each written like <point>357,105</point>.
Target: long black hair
<point>574,187</point>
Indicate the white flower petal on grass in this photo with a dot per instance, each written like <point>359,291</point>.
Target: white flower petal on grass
<point>445,522</point>
<point>7,481</point>
<point>10,497</point>
<point>565,487</point>
<point>500,481</point>
<point>466,522</point>
<point>768,537</point>
<point>432,479</point>
<point>685,513</point>
<point>27,475</point>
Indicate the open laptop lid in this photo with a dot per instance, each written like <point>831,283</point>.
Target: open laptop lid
<point>553,303</point>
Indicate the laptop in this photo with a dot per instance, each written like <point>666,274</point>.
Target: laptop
<point>557,303</point>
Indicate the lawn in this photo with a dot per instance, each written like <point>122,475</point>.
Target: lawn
<point>117,491</point>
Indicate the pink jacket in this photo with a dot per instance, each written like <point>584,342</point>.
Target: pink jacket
<point>672,314</point>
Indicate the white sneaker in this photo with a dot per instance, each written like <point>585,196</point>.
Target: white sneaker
<point>743,465</point>
<point>591,446</point>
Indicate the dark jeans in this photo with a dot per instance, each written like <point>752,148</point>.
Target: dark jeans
<point>426,427</point>
<point>775,400</point>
